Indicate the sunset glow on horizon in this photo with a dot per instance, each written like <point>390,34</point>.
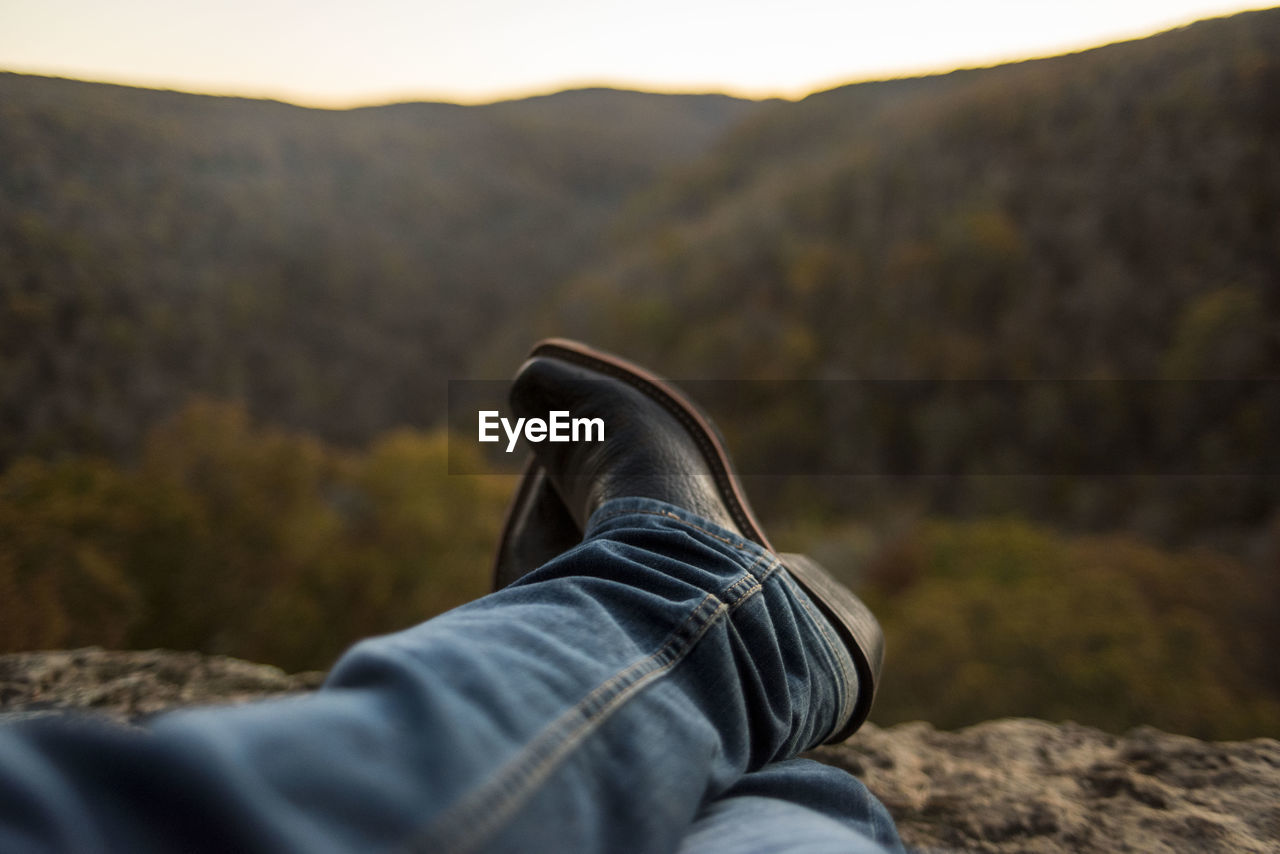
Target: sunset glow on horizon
<point>330,54</point>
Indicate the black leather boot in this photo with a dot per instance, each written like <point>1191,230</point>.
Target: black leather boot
<point>657,444</point>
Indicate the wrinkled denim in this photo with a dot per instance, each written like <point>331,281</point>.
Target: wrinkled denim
<point>648,690</point>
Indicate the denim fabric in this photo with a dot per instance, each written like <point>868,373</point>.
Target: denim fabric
<point>642,691</point>
<point>794,806</point>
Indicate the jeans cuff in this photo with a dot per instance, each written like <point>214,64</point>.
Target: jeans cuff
<point>626,512</point>
<point>753,560</point>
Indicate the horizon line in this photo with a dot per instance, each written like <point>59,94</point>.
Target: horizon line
<point>374,101</point>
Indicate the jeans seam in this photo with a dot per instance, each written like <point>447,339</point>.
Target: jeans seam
<point>482,811</point>
<point>751,582</point>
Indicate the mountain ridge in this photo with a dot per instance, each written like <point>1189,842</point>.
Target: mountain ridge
<point>302,260</point>
<point>261,224</point>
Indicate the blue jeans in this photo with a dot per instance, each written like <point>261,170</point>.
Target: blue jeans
<point>648,690</point>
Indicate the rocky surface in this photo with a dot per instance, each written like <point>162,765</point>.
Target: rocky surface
<point>130,685</point>
<point>1003,786</point>
<point>1031,786</point>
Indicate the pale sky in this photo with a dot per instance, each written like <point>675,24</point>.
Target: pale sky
<point>335,54</point>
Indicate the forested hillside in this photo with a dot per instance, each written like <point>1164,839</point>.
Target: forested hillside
<point>1109,213</point>
<point>332,269</point>
<point>1111,216</point>
<point>1086,248</point>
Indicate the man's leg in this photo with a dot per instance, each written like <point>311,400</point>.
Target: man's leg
<point>797,805</point>
<point>597,704</point>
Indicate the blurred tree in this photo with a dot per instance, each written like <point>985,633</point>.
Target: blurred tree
<point>991,619</point>
<point>64,534</point>
<point>1223,334</point>
<point>241,540</point>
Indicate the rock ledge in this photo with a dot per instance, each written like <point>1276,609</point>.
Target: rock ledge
<point>1002,786</point>
<point>1031,786</point>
